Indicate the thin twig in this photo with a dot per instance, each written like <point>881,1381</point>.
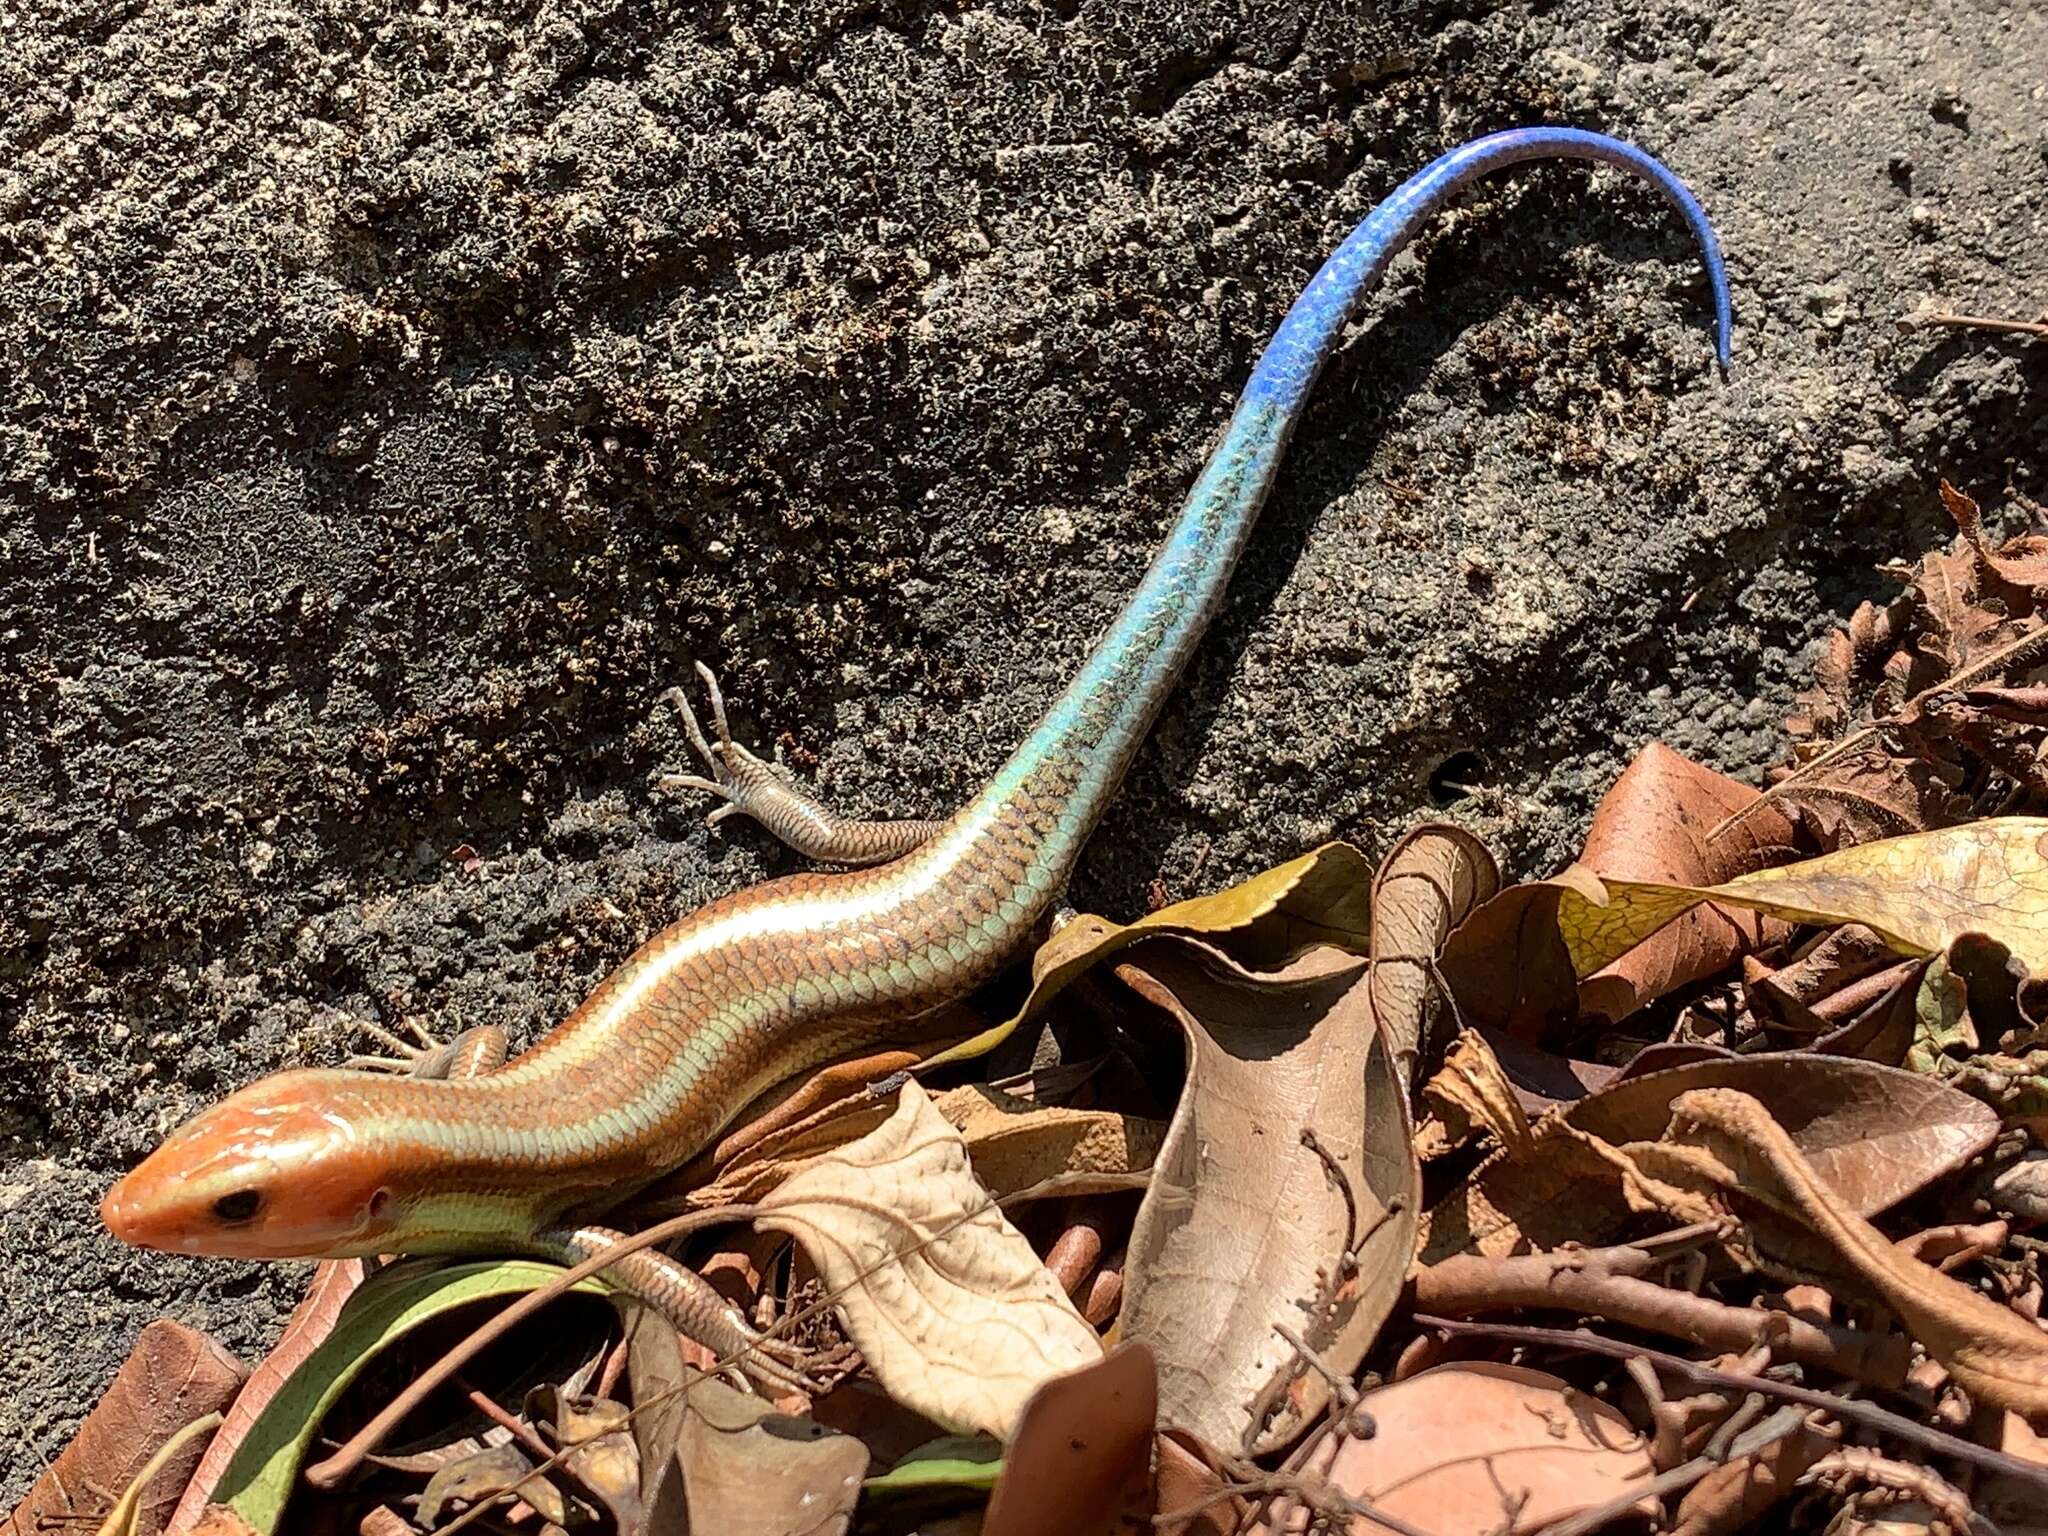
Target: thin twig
<point>1609,1283</point>
<point>1786,1421</point>
<point>1921,318</point>
<point>1855,1410</point>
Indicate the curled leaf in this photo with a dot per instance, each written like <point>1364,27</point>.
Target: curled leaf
<point>1995,1355</point>
<point>950,1306</point>
<point>172,1378</point>
<point>1429,883</point>
<point>1285,1196</point>
<point>1512,965</point>
<point>1658,824</point>
<point>1875,1134</point>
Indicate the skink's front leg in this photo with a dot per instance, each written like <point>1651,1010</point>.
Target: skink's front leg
<point>751,787</point>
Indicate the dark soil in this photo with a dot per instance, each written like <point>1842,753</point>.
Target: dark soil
<point>397,399</point>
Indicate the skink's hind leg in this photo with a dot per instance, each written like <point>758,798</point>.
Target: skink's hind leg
<point>472,1053</point>
<point>751,787</point>
<point>687,1300</point>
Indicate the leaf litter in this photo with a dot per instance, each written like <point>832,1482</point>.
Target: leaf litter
<point>1694,1185</point>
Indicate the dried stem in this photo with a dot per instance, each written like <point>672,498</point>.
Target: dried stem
<point>1923,318</point>
<point>1605,1282</point>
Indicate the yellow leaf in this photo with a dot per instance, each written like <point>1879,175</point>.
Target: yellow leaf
<point>1323,897</point>
<point>1918,892</point>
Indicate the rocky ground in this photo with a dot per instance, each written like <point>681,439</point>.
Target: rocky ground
<point>394,400</point>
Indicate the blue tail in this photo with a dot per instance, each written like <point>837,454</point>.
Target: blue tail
<point>1306,337</point>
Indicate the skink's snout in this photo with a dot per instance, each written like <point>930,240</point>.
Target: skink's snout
<point>276,1171</point>
<point>121,1214</point>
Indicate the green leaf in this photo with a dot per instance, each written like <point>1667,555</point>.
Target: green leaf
<point>259,1480</point>
<point>951,1461</point>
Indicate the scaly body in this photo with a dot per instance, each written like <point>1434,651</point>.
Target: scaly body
<point>765,983</point>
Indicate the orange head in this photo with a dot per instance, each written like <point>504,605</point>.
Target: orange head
<point>279,1170</point>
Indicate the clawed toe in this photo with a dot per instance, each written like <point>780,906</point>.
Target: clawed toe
<point>734,771</point>
<point>406,1054</point>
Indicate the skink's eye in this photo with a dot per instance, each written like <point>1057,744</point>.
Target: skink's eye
<point>238,1207</point>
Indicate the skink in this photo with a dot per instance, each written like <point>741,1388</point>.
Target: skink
<point>761,985</point>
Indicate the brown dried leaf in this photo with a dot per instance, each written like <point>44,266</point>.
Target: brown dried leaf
<point>1082,1453</point>
<point>1733,1498</point>
<point>948,1303</point>
<point>470,1480</point>
<point>1893,739</point>
<point>173,1377</point>
<point>2020,562</point>
<point>219,1520</point>
<point>1478,1449</point>
<point>1654,824</point>
<point>1791,995</point>
<point>1471,1093</point>
<point>1872,795</point>
<point>1428,884</point>
<point>1243,1226</point>
<point>747,1467</point>
<point>1874,1134</point>
<point>1993,1354</point>
<point>1194,1494</point>
<point>1513,966</point>
<point>1013,1143</point>
<point>601,1452</point>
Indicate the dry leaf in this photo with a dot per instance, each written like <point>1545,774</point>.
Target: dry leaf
<point>1194,1492</point>
<point>1875,1134</point>
<point>1082,1453</point>
<point>1320,898</point>
<point>950,1307</point>
<point>600,1452</point>
<point>473,1479</point>
<point>1996,1356</point>
<point>1919,893</point>
<point>1471,1093</point>
<point>1733,1498</point>
<point>1510,965</point>
<point>1655,824</point>
<point>1909,725</point>
<point>1478,1449</point>
<point>219,1520</point>
<point>173,1377</point>
<point>1013,1144</point>
<point>746,1467</point>
<point>1244,1227</point>
<point>1429,883</point>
